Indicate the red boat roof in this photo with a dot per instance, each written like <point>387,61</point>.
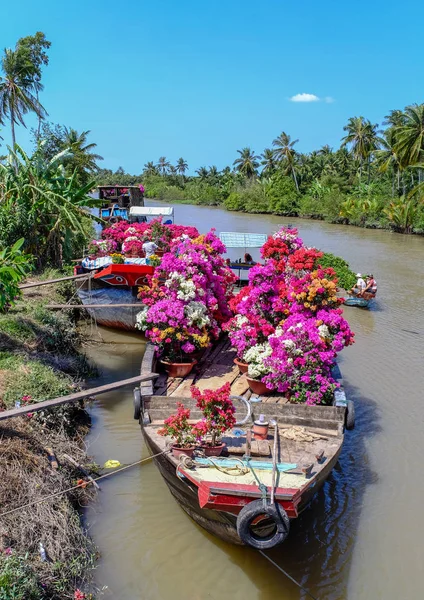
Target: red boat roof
<point>124,270</point>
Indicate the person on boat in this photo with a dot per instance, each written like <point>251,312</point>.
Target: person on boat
<point>371,285</point>
<point>149,248</point>
<point>248,259</point>
<point>359,287</point>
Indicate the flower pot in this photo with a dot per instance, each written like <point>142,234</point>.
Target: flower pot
<point>260,430</point>
<point>213,450</point>
<point>178,369</point>
<point>160,252</point>
<point>258,387</point>
<point>177,451</point>
<point>241,365</point>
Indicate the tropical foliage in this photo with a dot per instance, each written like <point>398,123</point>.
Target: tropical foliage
<point>14,266</point>
<point>45,205</point>
<point>372,180</point>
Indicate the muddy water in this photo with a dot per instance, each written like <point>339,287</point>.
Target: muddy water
<point>362,537</point>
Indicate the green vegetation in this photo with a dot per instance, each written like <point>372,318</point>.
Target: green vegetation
<point>375,179</point>
<point>13,267</point>
<point>346,278</point>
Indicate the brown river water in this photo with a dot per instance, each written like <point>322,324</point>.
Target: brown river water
<point>362,538</point>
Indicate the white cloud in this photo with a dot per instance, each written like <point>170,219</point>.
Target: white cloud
<point>304,98</point>
<point>311,98</point>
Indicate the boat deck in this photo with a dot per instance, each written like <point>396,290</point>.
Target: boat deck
<point>309,441</point>
<point>214,370</point>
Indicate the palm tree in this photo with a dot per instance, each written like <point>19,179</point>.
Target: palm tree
<point>18,88</point>
<point>248,163</point>
<point>202,173</point>
<point>150,169</point>
<point>362,135</point>
<point>387,158</point>
<point>35,46</point>
<point>163,165</point>
<point>325,150</point>
<point>409,143</point>
<point>182,167</point>
<point>83,160</point>
<point>285,153</point>
<point>268,162</point>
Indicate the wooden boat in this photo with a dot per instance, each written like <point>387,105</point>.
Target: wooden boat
<point>114,285</point>
<point>307,445</point>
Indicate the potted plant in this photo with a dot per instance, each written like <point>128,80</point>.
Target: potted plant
<point>178,428</point>
<point>218,416</point>
<point>117,258</point>
<point>257,368</point>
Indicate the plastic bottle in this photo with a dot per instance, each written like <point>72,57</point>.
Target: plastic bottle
<point>42,552</point>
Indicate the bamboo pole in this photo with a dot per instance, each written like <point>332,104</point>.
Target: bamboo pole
<point>49,281</point>
<point>64,306</point>
<point>17,412</point>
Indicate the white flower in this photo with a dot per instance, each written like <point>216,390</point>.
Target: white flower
<point>196,314</point>
<point>323,331</point>
<point>141,318</point>
<point>255,357</point>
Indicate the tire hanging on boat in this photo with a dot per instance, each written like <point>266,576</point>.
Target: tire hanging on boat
<point>137,403</point>
<point>252,511</point>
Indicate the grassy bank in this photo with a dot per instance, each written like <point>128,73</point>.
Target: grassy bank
<point>40,358</point>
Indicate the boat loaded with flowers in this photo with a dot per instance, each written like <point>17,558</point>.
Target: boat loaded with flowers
<point>251,427</point>
<point>119,268</point>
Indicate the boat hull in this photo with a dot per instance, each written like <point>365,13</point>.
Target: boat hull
<point>102,295</point>
<point>360,302</point>
<point>220,523</point>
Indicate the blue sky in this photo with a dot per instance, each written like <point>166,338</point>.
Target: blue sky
<point>203,79</point>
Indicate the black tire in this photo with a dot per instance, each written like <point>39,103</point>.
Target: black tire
<point>252,511</point>
<point>137,404</point>
<point>350,415</point>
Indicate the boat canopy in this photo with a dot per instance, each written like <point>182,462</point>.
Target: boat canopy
<point>152,211</point>
<point>234,239</point>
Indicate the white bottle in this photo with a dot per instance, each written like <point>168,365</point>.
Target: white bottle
<point>42,552</point>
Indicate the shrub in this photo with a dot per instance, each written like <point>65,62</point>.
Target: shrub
<point>346,277</point>
<point>282,195</point>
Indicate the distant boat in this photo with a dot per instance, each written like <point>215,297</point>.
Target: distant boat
<point>361,302</point>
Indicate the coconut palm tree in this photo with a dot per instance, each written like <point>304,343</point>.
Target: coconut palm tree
<point>363,138</point>
<point>18,89</point>
<point>182,167</point>
<point>268,162</point>
<point>83,160</point>
<point>163,165</point>
<point>202,173</point>
<point>284,153</point>
<point>35,46</point>
<point>150,169</point>
<point>387,158</point>
<point>248,163</point>
<point>409,143</point>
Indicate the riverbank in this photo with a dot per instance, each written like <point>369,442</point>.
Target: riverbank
<point>41,358</point>
<point>365,212</point>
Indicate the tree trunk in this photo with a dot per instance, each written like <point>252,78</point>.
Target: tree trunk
<point>12,124</point>
<point>295,179</point>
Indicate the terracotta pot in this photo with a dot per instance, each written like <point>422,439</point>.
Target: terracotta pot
<point>213,450</point>
<point>178,369</point>
<point>160,252</point>
<point>258,387</point>
<point>241,365</point>
<point>178,450</point>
